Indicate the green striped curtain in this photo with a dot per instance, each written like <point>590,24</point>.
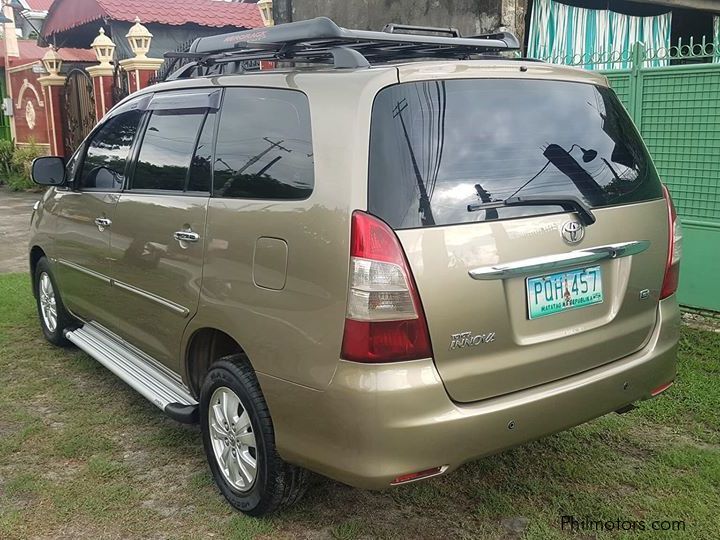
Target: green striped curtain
<point>592,38</point>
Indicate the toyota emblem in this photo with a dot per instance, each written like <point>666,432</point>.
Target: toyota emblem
<point>572,232</point>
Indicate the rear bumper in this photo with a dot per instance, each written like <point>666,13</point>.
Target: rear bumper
<point>377,422</point>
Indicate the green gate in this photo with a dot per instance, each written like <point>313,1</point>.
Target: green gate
<point>4,120</point>
<point>677,110</point>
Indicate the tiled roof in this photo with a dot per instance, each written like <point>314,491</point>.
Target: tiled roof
<point>29,52</point>
<point>67,14</point>
<point>39,5</point>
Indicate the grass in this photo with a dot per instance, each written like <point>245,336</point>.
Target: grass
<point>82,455</point>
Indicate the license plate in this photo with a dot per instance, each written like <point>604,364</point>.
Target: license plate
<point>555,293</point>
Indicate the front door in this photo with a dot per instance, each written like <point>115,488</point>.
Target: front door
<point>159,229</point>
<point>85,213</point>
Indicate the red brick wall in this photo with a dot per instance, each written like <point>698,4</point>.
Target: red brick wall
<point>29,104</point>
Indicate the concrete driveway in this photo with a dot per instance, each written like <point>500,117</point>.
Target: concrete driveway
<point>15,211</point>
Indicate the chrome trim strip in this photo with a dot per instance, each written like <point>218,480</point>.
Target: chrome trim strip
<point>84,270</point>
<point>548,263</point>
<point>172,306</point>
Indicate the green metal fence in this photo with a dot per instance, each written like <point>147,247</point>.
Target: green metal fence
<point>677,110</point>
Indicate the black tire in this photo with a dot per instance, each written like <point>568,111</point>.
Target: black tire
<point>65,321</point>
<point>276,483</point>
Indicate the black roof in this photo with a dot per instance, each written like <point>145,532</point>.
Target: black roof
<point>321,40</point>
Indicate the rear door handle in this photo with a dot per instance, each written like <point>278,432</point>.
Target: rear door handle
<point>102,223</point>
<point>186,236</point>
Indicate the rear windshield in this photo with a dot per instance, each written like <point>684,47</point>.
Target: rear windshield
<point>438,146</point>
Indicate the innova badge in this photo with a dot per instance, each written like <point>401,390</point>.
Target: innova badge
<point>572,232</point>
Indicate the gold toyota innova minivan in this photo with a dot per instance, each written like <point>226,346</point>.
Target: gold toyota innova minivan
<point>391,253</point>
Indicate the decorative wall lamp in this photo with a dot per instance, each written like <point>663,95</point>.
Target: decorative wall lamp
<point>104,48</point>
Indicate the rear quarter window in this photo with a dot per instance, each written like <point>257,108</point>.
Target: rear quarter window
<point>438,146</point>
<point>264,145</point>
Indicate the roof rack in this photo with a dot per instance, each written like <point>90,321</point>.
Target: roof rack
<point>320,40</point>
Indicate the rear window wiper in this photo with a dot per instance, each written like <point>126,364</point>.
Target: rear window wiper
<point>569,203</point>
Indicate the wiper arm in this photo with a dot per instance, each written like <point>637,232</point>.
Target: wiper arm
<point>569,203</point>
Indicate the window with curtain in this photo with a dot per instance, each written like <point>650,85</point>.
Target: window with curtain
<point>716,36</point>
<point>567,34</point>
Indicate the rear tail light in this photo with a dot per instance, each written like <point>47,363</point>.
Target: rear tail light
<point>384,321</point>
<point>672,268</point>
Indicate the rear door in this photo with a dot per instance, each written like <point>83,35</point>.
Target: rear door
<point>512,296</point>
<point>159,227</point>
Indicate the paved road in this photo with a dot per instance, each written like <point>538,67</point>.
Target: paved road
<point>15,210</point>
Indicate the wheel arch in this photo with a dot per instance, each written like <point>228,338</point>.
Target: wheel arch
<point>206,346</point>
<point>36,253</point>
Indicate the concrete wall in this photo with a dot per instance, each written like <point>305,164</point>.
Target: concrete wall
<point>469,16</point>
<point>29,103</point>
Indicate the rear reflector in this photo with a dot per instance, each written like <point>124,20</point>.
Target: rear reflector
<point>386,341</point>
<point>405,478</point>
<point>384,321</point>
<point>672,266</point>
<point>661,389</point>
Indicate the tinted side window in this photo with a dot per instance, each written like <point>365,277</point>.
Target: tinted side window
<point>167,149</point>
<point>201,166</point>
<point>438,146</point>
<point>264,145</point>
<point>107,153</point>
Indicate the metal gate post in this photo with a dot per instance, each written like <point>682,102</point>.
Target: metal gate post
<point>635,98</point>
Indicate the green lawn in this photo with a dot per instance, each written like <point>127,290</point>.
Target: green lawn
<point>82,455</point>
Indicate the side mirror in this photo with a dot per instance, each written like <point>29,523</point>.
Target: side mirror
<point>48,171</point>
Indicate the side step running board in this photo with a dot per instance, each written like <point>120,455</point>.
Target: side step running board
<point>153,381</point>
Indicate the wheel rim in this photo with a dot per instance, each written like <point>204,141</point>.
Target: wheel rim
<point>48,305</point>
<point>233,439</point>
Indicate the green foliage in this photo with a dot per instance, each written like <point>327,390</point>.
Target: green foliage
<point>16,164</point>
<point>7,152</point>
<point>24,156</point>
<point>19,182</point>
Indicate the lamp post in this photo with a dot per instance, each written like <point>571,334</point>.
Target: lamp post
<point>140,69</point>
<point>102,73</point>
<point>266,11</point>
<point>588,155</point>
<point>52,85</point>
<point>52,62</point>
<point>104,49</point>
<point>139,38</point>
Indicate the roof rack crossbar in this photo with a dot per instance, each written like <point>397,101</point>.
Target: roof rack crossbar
<point>321,40</point>
<point>392,28</point>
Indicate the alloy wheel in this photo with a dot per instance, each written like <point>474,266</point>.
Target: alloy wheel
<point>48,305</point>
<point>233,439</point>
